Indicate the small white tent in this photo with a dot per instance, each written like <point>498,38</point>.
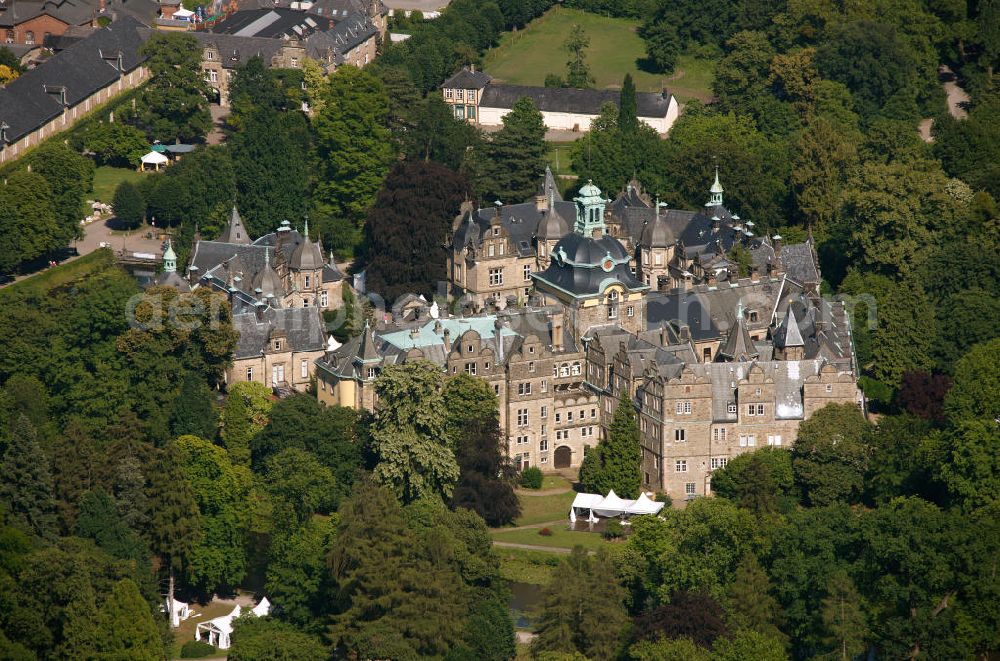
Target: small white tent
<point>152,161</point>
<point>644,505</point>
<point>178,611</point>
<point>611,505</point>
<point>217,631</point>
<point>263,608</point>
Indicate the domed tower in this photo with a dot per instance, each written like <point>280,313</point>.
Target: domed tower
<point>306,269</point>
<point>589,274</point>
<point>656,248</point>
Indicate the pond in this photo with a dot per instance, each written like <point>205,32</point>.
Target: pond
<point>525,599</point>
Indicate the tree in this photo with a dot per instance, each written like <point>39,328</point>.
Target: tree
<point>407,228</point>
<point>977,384</point>
<point>70,176</point>
<point>437,135</point>
<point>408,434</point>
<point>677,649</point>
<point>758,480</point>
<point>749,600</point>
<point>328,432</point>
<point>271,165</point>
<point>971,472</point>
<point>577,72</point>
<point>486,475</point>
<point>513,160</point>
<point>174,519</point>
<point>197,191</point>
<point>616,460</point>
<point>257,639</point>
<point>126,628</point>
<point>663,46</point>
<point>830,457</point>
<point>352,142</point>
<point>377,560</point>
<point>130,492</point>
<point>900,464</point>
<point>299,484</point>
<point>193,411</point>
<point>174,104</point>
<point>843,617</point>
<point>741,75</point>
<point>298,580</point>
<point>244,414</point>
<point>628,120</point>
<point>824,156</point>
<point>28,218</point>
<point>25,481</point>
<point>582,608</point>
<point>116,144</point>
<point>98,520</point>
<point>693,616</point>
<point>749,644</point>
<point>222,491</point>
<point>129,205</point>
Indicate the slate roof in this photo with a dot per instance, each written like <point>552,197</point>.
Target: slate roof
<point>799,261</point>
<point>576,266</point>
<point>80,70</point>
<point>234,50</point>
<point>274,23</point>
<point>468,79</point>
<point>71,12</point>
<point>348,34</point>
<point>564,99</point>
<point>303,328</point>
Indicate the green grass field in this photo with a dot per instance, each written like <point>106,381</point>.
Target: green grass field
<point>523,566</point>
<point>60,275</point>
<point>542,509</point>
<point>527,56</point>
<point>107,178</point>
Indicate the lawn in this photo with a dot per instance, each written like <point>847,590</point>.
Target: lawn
<point>560,537</point>
<point>185,631</point>
<point>60,275</point>
<point>542,509</point>
<point>559,160</point>
<point>525,57</point>
<point>107,178</point>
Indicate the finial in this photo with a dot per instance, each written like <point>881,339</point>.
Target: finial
<point>657,207</point>
<point>331,257</point>
<point>307,225</point>
<point>739,310</point>
<point>267,257</point>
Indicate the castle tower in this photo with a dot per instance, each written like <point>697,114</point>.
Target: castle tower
<point>715,192</point>
<point>590,212</point>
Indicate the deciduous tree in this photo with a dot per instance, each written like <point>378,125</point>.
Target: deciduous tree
<point>129,205</point>
<point>26,483</point>
<point>615,462</point>
<point>174,104</point>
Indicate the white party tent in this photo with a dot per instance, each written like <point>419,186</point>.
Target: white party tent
<point>611,506</point>
<point>153,160</point>
<point>218,631</point>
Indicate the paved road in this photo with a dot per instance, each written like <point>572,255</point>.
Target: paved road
<point>532,547</point>
<point>957,100</point>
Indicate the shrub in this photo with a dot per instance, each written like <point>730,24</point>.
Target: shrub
<point>614,529</point>
<point>531,478</point>
<point>545,532</point>
<point>664,498</point>
<point>196,649</point>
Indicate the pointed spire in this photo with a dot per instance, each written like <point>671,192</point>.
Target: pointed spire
<point>169,258</point>
<point>715,191</point>
<point>307,227</point>
<point>789,334</point>
<point>234,231</point>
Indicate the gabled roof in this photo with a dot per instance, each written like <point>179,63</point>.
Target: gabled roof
<point>564,99</point>
<point>303,329</point>
<point>77,72</point>
<point>739,345</point>
<point>468,79</point>
<point>236,50</point>
<point>275,23</point>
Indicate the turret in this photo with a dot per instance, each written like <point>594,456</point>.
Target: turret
<point>715,192</point>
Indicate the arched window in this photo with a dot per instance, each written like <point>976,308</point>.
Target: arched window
<point>29,37</point>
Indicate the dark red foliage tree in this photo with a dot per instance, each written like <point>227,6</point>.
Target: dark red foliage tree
<point>922,394</point>
<point>693,615</point>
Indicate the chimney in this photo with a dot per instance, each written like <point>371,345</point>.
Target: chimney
<point>472,68</point>
<point>447,340</point>
<point>754,273</point>
<point>713,280</point>
<point>777,245</point>
<point>685,333</point>
<point>770,268</point>
<point>664,338</point>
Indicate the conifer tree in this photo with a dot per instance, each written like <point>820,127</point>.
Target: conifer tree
<point>514,159</point>
<point>843,617</point>
<point>616,461</point>
<point>244,414</point>
<point>628,119</point>
<point>577,72</point>
<point>126,629</point>
<point>129,205</point>
<point>130,493</point>
<point>174,521</point>
<point>25,481</point>
<point>749,602</point>
<point>193,412</point>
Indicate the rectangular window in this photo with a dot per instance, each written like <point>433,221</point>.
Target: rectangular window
<point>249,374</point>
<point>731,408</point>
<point>543,445</point>
<point>593,412</point>
<point>460,94</point>
<point>522,440</point>
<point>304,369</point>
<point>829,387</point>
<point>690,489</point>
<point>522,417</point>
<point>470,368</point>
<point>500,248</point>
<point>680,435</point>
<point>524,388</point>
<point>449,93</point>
<point>569,416</point>
<point>719,434</point>
<point>531,366</point>
<point>496,277</point>
<point>295,62</point>
<point>324,300</point>
<point>496,389</point>
<point>545,385</point>
<point>612,312</point>
<point>719,462</point>
<point>544,413</point>
<point>774,439</point>
<point>760,409</point>
<point>682,408</point>
<point>491,249</point>
<point>630,311</point>
<point>308,281</point>
<point>471,112</point>
<point>558,417</point>
<point>751,409</point>
<point>527,273</point>
<point>277,345</point>
<point>681,466</point>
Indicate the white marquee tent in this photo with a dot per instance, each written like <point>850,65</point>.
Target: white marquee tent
<point>594,504</point>
<point>218,631</point>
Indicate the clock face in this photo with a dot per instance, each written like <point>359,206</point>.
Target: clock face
<point>608,264</point>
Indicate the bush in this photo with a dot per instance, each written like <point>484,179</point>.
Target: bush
<point>196,649</point>
<point>614,529</point>
<point>129,205</point>
<point>664,498</point>
<point>545,532</point>
<point>531,478</point>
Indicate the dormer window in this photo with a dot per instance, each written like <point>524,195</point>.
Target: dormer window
<point>496,231</point>
<point>209,55</point>
<point>277,345</point>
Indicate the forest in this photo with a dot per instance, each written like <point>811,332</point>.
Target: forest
<point>123,469</point>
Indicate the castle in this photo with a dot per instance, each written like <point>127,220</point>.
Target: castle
<point>569,304</point>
